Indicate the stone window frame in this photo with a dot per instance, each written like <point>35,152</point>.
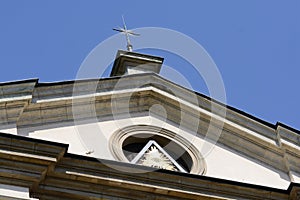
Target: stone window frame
<point>119,136</point>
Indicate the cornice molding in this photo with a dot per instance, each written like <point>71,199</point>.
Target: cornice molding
<point>43,104</point>
<point>79,177</point>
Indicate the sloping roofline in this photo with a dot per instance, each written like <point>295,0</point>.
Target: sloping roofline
<point>264,122</point>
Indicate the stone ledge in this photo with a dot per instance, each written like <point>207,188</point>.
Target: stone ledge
<point>80,177</point>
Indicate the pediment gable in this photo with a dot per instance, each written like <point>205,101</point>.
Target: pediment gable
<point>275,147</point>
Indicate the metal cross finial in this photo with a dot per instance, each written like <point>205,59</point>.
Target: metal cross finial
<point>127,33</point>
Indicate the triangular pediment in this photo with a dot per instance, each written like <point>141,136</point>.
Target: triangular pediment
<point>153,155</point>
<point>119,98</point>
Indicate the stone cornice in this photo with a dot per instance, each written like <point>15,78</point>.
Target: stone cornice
<point>26,161</point>
<point>14,97</point>
<point>69,176</point>
<point>61,91</point>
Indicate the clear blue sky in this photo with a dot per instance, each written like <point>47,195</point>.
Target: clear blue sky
<point>255,43</point>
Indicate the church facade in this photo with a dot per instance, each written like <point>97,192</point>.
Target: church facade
<point>136,135</point>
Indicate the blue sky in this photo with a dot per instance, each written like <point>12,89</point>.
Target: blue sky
<point>254,43</point>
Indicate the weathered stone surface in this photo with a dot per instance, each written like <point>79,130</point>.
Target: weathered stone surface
<point>78,177</point>
<point>51,174</point>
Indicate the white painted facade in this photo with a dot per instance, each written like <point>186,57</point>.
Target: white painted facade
<point>221,162</point>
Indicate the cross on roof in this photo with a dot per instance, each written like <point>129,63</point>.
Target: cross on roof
<point>127,33</point>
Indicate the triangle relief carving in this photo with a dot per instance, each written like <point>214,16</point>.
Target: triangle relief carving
<point>153,155</point>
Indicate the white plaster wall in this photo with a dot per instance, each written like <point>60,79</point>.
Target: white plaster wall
<point>91,139</point>
<point>12,129</point>
<point>295,176</point>
<point>9,192</point>
<point>225,164</point>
